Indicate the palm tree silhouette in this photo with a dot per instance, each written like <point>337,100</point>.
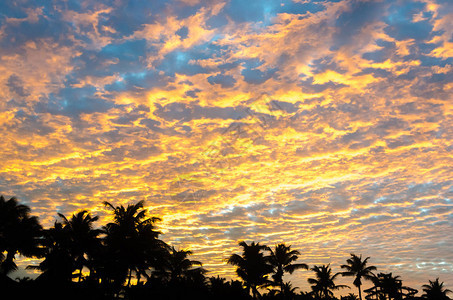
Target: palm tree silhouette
<point>358,268</point>
<point>130,239</point>
<point>83,238</point>
<point>19,233</point>
<point>130,244</point>
<point>281,259</point>
<point>323,285</point>
<point>435,290</point>
<point>252,266</point>
<point>390,287</point>
<point>288,291</point>
<point>350,296</point>
<point>58,264</point>
<point>221,289</point>
<point>153,251</point>
<point>176,265</point>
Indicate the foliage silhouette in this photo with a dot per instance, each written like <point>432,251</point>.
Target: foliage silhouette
<point>282,260</point>
<point>83,238</point>
<point>387,286</point>
<point>350,296</point>
<point>129,248</point>
<point>435,290</point>
<point>286,292</point>
<point>131,241</point>
<point>358,268</point>
<point>58,263</point>
<point>252,266</point>
<point>323,285</point>
<point>19,233</point>
<point>222,289</point>
<point>175,266</point>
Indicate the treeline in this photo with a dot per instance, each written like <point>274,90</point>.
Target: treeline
<point>126,259</point>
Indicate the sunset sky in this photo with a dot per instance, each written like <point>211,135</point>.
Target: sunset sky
<point>326,125</point>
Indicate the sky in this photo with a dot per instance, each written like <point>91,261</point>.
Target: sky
<point>326,125</point>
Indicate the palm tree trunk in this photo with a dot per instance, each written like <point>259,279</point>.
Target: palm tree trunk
<point>360,293</point>
<point>130,276</point>
<point>138,275</point>
<point>248,289</point>
<point>279,277</point>
<point>256,294</point>
<point>8,264</point>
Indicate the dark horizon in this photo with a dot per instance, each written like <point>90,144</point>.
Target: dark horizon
<point>127,258</point>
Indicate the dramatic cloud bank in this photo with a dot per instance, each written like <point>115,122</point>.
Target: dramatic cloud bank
<point>323,124</point>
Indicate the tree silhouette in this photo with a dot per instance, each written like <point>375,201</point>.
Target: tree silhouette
<point>287,292</point>
<point>222,289</point>
<point>323,285</point>
<point>390,287</point>
<point>58,264</point>
<point>153,250</point>
<point>176,265</point>
<point>252,266</point>
<point>350,296</point>
<point>281,259</point>
<point>83,238</point>
<point>130,240</point>
<point>130,245</point>
<point>19,233</point>
<point>435,290</point>
<point>358,268</point>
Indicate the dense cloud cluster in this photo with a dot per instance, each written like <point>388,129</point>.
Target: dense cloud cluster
<point>326,124</point>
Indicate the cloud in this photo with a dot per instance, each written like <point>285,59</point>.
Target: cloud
<point>127,17</point>
<point>185,112</point>
<point>183,32</point>
<point>182,62</point>
<point>15,85</point>
<point>354,19</point>
<point>256,76</point>
<point>32,24</point>
<point>401,24</point>
<point>123,57</point>
<point>316,123</point>
<point>75,101</point>
<point>226,81</point>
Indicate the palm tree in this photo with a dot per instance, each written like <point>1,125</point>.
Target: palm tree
<point>387,286</point>
<point>288,291</point>
<point>358,268</point>
<point>323,285</point>
<point>83,238</point>
<point>281,259</point>
<point>58,264</point>
<point>176,266</point>
<point>130,240</point>
<point>252,266</point>
<point>350,296</point>
<point>19,233</point>
<point>435,290</point>
<point>221,289</point>
<point>390,286</point>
